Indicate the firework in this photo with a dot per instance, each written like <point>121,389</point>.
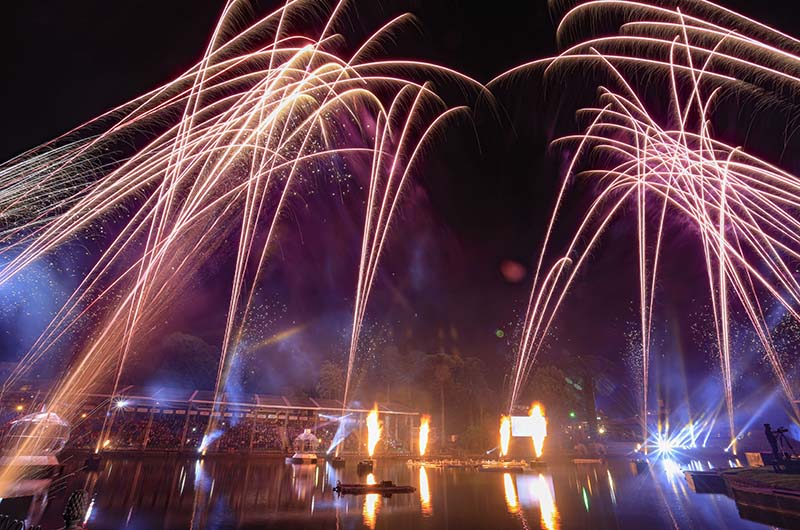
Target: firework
<point>237,137</point>
<point>744,209</point>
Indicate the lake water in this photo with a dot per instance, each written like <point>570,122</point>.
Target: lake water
<point>152,493</point>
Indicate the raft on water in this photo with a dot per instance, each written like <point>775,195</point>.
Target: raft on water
<point>385,487</point>
<point>512,466</point>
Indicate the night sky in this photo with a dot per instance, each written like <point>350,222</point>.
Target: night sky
<point>480,201</point>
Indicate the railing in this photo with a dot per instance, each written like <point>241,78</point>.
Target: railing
<point>74,514</point>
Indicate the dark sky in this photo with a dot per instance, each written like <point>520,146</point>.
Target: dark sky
<point>66,62</point>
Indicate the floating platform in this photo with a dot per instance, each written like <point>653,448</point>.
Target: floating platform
<point>365,466</point>
<point>706,481</point>
<point>302,458</point>
<point>511,466</point>
<point>93,462</point>
<point>449,463</point>
<point>336,461</point>
<point>761,494</point>
<point>385,487</point>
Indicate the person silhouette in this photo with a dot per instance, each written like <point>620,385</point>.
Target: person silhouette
<point>773,442</point>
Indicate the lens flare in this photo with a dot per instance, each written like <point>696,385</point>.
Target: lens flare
<point>424,432</point>
<point>373,431</point>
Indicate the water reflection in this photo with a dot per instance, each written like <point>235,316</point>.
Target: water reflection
<point>511,494</point>
<point>424,492</point>
<point>371,502</point>
<point>611,487</point>
<point>547,504</point>
<point>261,493</point>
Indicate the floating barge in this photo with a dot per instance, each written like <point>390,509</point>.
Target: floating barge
<point>385,487</point>
<point>706,481</point>
<point>336,461</point>
<point>302,458</point>
<point>365,466</point>
<point>512,466</point>
<point>760,494</point>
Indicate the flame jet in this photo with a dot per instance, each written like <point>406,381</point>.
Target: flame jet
<point>373,431</point>
<point>505,434</point>
<point>424,432</point>
<point>539,425</point>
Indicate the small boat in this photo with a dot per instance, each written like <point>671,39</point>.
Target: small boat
<point>336,461</point>
<point>385,487</point>
<point>93,462</point>
<point>365,466</point>
<point>302,458</point>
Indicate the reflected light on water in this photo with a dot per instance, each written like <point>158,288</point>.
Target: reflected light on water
<point>543,491</point>
<point>511,493</point>
<point>532,491</point>
<point>424,492</point>
<point>424,432</point>
<point>370,511</point>
<point>672,468</point>
<point>611,487</point>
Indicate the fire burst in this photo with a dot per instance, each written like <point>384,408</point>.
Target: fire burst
<point>505,434</point>
<point>373,431</point>
<point>424,432</point>
<point>744,210</point>
<point>539,426</point>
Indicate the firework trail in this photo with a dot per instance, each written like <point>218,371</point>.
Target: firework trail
<point>235,139</point>
<point>744,209</point>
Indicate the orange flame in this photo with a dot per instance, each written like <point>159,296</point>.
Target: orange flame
<point>424,432</point>
<point>373,430</point>
<point>505,434</point>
